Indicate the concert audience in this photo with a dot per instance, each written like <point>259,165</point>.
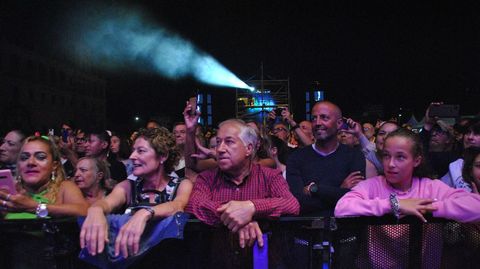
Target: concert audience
<point>454,176</point>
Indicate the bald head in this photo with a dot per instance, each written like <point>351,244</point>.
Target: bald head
<point>326,120</point>
<point>335,110</point>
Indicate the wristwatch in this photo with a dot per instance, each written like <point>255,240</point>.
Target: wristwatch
<point>313,188</point>
<point>42,211</point>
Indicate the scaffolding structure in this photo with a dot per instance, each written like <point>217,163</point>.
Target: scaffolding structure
<point>268,94</point>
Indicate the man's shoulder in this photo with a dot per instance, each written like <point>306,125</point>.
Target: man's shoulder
<point>260,169</point>
<point>302,152</point>
<point>346,150</point>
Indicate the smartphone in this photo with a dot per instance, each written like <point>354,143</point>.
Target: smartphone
<point>345,125</point>
<point>193,101</point>
<point>6,181</point>
<point>444,111</point>
<point>64,135</point>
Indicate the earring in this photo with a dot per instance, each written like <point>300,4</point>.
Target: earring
<point>52,178</point>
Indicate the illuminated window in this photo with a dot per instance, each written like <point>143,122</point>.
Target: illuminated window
<point>318,96</point>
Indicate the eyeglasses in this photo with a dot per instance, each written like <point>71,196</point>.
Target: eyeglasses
<point>80,139</point>
<point>276,130</point>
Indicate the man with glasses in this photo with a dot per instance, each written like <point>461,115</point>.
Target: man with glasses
<point>80,140</point>
<point>280,130</point>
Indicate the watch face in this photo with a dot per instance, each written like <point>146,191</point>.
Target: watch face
<point>42,211</point>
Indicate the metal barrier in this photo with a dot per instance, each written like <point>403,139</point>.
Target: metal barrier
<point>293,242</point>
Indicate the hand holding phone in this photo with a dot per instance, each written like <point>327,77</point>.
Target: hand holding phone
<point>193,101</point>
<point>6,181</point>
<point>444,111</point>
<point>65,135</point>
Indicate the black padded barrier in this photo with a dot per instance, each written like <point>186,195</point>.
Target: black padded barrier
<point>293,242</point>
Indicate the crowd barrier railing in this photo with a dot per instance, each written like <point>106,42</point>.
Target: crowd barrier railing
<point>291,242</point>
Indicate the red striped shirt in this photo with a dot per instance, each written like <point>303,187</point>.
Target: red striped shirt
<point>265,187</point>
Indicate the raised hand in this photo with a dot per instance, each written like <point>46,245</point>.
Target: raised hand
<point>191,119</point>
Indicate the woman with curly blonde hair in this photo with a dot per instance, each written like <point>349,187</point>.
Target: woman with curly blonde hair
<point>41,189</point>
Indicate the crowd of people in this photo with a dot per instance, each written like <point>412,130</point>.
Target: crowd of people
<point>243,172</point>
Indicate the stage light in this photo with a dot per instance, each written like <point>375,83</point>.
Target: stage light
<point>125,39</point>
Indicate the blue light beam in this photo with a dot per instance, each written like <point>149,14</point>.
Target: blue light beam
<point>117,39</point>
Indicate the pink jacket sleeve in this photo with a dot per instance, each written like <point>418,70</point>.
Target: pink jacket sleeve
<point>362,201</point>
<point>456,204</point>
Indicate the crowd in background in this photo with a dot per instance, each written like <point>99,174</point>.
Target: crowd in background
<point>243,171</point>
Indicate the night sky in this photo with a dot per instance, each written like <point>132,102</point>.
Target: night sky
<point>392,53</point>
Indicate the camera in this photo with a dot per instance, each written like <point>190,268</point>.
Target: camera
<point>278,111</point>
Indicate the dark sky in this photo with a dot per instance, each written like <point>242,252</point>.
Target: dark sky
<point>393,53</point>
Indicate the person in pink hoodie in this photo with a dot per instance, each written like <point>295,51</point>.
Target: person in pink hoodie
<point>404,189</point>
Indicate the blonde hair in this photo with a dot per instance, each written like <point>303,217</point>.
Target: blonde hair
<point>53,185</point>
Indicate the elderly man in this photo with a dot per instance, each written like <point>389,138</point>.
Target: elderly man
<point>320,174</point>
<point>238,191</point>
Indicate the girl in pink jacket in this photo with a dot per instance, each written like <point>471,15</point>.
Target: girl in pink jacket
<point>404,190</point>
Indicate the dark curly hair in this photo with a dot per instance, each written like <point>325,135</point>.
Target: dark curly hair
<point>163,142</point>
<point>469,159</point>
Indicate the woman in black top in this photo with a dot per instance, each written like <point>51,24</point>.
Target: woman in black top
<point>154,194</point>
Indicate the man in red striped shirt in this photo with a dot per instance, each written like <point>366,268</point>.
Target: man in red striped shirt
<point>238,191</point>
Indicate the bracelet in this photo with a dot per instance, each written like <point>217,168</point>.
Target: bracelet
<point>395,205</point>
<point>132,210</point>
<point>151,211</point>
